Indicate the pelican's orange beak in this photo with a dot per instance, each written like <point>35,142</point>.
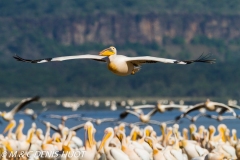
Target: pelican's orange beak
<point>105,138</point>
<point>90,136</point>
<point>106,52</point>
<point>9,126</point>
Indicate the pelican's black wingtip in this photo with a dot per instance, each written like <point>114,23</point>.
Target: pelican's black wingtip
<point>17,58</point>
<point>203,58</point>
<point>36,98</point>
<point>123,115</point>
<point>177,119</point>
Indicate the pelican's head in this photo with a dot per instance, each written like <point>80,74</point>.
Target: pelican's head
<point>108,52</point>
<point>160,107</point>
<point>176,127</point>
<point>2,113</point>
<point>30,135</point>
<point>212,130</point>
<point>148,130</point>
<point>134,133</point>
<point>89,133</point>
<point>64,118</point>
<point>56,137</point>
<point>108,135</point>
<point>183,143</point>
<point>65,131</point>
<point>207,101</point>
<point>21,121</point>
<point>34,125</point>
<point>185,133</point>
<point>20,126</point>
<point>222,128</point>
<point>153,134</point>
<point>120,135</point>
<point>47,124</point>
<point>98,121</point>
<point>39,132</point>
<point>201,128</point>
<point>192,128</point>
<point>121,127</point>
<point>234,134</point>
<point>219,118</point>
<point>150,141</point>
<point>11,125</point>
<point>29,111</point>
<point>163,128</point>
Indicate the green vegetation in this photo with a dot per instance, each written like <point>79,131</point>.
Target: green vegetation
<point>204,40</point>
<point>86,79</point>
<point>38,8</point>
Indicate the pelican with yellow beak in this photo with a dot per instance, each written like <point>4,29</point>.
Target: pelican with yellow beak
<point>112,153</point>
<point>119,64</point>
<point>9,129</point>
<point>90,143</point>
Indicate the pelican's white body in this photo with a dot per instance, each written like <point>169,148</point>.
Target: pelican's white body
<point>119,65</point>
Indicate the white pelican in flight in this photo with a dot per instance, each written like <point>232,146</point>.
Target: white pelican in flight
<point>8,116</point>
<point>210,106</point>
<point>119,64</point>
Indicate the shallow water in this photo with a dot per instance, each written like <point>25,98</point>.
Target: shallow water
<point>114,114</point>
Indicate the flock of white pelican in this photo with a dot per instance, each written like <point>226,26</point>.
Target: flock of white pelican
<point>119,64</point>
<point>118,143</point>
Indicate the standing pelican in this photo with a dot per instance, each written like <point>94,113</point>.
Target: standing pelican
<point>119,64</point>
<point>45,145</point>
<point>9,128</point>
<point>157,154</point>
<point>26,144</point>
<point>112,153</point>
<point>90,143</point>
<point>10,115</point>
<point>133,152</point>
<point>19,134</point>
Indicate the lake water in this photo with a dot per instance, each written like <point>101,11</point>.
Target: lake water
<point>96,113</point>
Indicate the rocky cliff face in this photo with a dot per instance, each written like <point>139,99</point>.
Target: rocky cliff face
<point>118,29</point>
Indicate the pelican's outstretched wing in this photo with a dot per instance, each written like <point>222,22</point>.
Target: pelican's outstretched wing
<point>159,123</point>
<point>194,108</point>
<point>23,103</point>
<point>86,119</point>
<point>76,128</point>
<point>53,116</point>
<point>234,106</point>
<point>141,106</point>
<point>109,119</point>
<point>64,58</point>
<point>152,112</point>
<point>53,127</point>
<point>225,108</point>
<point>149,59</point>
<point>126,112</point>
